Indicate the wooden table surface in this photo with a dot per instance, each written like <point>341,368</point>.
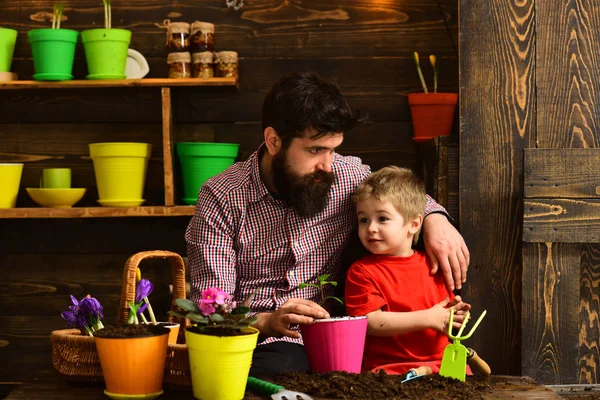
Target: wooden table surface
<point>51,386</point>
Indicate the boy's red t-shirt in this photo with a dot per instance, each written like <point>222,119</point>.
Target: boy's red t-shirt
<point>398,284</point>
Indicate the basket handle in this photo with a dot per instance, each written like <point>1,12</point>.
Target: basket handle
<point>130,282</point>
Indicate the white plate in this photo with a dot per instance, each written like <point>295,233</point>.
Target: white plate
<point>137,66</point>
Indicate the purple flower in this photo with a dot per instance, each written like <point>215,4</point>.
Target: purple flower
<point>85,314</point>
<point>206,306</point>
<point>142,308</point>
<point>144,288</point>
<point>70,318</point>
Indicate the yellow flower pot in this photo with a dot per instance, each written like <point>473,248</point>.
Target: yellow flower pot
<point>10,180</point>
<point>220,365</point>
<point>120,170</point>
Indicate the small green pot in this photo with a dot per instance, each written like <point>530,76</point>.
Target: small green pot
<point>201,161</point>
<point>8,37</point>
<point>53,53</point>
<point>106,52</point>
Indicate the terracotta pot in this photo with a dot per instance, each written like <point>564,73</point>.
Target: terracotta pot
<point>432,114</point>
<point>133,367</point>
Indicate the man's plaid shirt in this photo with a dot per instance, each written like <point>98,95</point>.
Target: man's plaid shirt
<point>242,239</point>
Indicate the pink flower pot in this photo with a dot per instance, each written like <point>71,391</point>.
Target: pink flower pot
<point>335,344</point>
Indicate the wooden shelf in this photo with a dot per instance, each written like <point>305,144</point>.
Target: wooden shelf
<point>170,209</point>
<point>89,84</point>
<point>97,212</point>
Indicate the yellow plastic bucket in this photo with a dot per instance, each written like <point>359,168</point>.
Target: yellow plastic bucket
<point>219,365</point>
<point>120,170</point>
<point>10,179</point>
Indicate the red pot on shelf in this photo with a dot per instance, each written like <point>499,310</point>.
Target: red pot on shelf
<point>432,114</point>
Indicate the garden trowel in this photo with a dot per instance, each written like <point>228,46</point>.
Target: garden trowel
<point>454,360</point>
<point>277,392</point>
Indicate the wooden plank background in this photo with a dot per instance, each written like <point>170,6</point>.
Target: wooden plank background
<point>366,48</point>
<point>497,101</point>
<point>529,80</point>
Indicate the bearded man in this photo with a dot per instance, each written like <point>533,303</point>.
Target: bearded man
<point>283,217</point>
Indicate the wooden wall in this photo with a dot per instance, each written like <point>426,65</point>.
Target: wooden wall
<point>529,84</point>
<point>365,45</point>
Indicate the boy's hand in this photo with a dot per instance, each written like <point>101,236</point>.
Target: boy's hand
<point>440,314</point>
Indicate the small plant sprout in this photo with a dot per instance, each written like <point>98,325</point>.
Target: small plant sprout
<point>321,283</point>
<point>57,15</point>
<point>435,66</point>
<point>107,15</point>
<point>416,60</point>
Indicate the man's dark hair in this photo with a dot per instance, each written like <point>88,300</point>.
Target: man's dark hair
<point>305,100</point>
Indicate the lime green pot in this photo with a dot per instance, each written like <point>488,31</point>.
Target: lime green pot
<point>106,52</point>
<point>219,365</point>
<point>8,37</point>
<point>53,53</point>
<point>120,170</point>
<point>200,161</point>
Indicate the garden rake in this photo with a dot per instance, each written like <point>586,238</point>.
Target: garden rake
<point>454,361</point>
<point>277,392</point>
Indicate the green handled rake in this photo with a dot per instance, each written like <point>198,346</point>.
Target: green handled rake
<point>454,361</point>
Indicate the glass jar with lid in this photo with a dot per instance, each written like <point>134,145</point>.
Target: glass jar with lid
<point>227,64</point>
<point>202,37</point>
<point>202,65</point>
<point>178,36</point>
<point>179,65</point>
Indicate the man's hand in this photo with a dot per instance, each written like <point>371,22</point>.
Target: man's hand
<point>292,312</point>
<point>446,249</point>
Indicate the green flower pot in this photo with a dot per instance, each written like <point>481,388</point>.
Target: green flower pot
<point>106,52</point>
<point>8,37</point>
<point>201,161</point>
<point>53,53</point>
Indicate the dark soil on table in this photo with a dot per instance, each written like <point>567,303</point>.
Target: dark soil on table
<point>131,331</point>
<point>365,386</point>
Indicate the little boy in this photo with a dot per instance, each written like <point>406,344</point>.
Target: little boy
<point>408,309</point>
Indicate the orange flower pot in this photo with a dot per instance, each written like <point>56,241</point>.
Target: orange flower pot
<point>432,114</point>
<point>133,367</point>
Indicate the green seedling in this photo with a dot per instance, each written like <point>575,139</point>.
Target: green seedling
<point>321,283</point>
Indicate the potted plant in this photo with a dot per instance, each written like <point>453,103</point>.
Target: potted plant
<point>220,344</point>
<point>74,353</point>
<point>106,49</point>
<point>133,355</point>
<point>53,49</point>
<point>333,344</point>
<point>432,113</point>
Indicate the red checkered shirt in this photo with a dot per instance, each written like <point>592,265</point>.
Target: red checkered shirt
<point>241,238</point>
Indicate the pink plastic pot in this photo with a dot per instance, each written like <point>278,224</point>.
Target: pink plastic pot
<point>335,344</point>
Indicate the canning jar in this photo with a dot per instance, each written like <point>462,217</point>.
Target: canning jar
<point>179,65</point>
<point>202,65</point>
<point>202,37</point>
<point>226,64</point>
<point>178,36</point>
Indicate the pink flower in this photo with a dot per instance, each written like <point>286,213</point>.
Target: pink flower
<point>207,308</point>
<point>221,297</point>
<point>209,295</point>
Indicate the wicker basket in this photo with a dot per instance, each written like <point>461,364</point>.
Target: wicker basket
<point>75,357</point>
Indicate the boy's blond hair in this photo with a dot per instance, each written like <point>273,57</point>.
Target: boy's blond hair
<point>400,186</point>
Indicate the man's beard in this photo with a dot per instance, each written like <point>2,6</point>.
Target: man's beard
<point>306,194</point>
